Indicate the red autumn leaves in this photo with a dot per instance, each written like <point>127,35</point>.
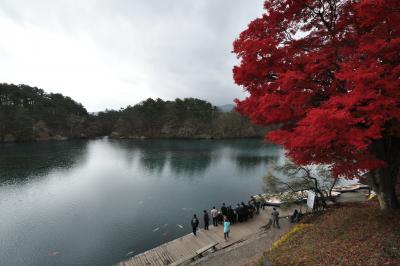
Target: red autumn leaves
<point>327,72</point>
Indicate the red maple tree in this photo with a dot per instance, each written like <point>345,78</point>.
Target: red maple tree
<point>327,72</point>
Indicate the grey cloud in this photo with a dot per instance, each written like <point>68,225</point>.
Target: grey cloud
<point>181,48</point>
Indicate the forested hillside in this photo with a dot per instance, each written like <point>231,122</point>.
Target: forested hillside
<point>187,118</point>
<point>28,113</point>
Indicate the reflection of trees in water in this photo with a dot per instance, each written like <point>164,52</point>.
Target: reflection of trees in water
<point>190,163</point>
<point>193,157</point>
<point>250,161</point>
<point>185,157</point>
<point>153,162</point>
<point>21,161</point>
<point>181,163</point>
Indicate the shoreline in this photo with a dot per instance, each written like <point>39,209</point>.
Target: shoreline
<point>185,250</point>
<point>256,228</point>
<point>64,139</point>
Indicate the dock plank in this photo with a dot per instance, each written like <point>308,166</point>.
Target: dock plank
<point>168,256</point>
<point>163,259</point>
<point>151,259</point>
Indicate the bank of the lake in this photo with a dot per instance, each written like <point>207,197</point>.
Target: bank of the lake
<point>353,231</point>
<point>348,234</point>
<point>97,202</point>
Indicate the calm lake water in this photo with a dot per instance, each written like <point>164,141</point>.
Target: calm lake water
<point>93,202</point>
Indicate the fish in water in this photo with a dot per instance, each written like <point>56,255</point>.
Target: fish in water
<point>165,233</point>
<point>130,253</point>
<point>165,225</point>
<point>156,229</point>
<point>180,226</point>
<point>54,253</point>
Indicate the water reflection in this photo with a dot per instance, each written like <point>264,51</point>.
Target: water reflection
<point>99,200</point>
<point>153,163</point>
<point>192,159</point>
<point>190,164</point>
<point>183,158</point>
<point>19,162</point>
<point>245,162</point>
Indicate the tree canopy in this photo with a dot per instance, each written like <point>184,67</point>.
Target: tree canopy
<point>28,113</point>
<point>327,72</point>
<point>182,118</point>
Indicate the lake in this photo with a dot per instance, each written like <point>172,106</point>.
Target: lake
<point>99,202</point>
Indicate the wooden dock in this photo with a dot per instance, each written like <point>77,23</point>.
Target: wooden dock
<point>189,247</point>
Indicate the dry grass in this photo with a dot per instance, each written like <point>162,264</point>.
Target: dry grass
<point>351,234</point>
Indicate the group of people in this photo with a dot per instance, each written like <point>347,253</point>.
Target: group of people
<point>228,215</point>
<point>226,223</point>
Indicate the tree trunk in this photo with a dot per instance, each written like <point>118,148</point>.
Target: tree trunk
<point>384,180</point>
<point>331,188</point>
<point>384,184</point>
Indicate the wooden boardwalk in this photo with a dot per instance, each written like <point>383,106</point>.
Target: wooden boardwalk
<point>185,248</point>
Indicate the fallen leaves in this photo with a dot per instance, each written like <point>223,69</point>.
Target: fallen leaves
<point>354,234</point>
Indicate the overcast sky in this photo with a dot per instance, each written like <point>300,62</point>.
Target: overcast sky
<point>112,53</point>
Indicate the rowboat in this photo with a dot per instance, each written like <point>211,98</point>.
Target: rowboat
<point>350,188</point>
<point>289,197</point>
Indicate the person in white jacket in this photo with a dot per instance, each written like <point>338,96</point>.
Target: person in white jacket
<point>214,215</point>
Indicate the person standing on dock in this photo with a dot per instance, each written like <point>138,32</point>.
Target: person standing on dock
<point>227,228</point>
<point>231,215</point>
<point>275,218</point>
<point>245,212</point>
<point>214,216</point>
<point>238,213</point>
<point>206,220</point>
<point>224,210</point>
<point>195,223</point>
<point>261,201</point>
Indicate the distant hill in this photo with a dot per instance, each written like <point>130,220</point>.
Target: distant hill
<point>226,107</point>
<point>30,114</point>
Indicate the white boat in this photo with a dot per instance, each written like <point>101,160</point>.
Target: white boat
<point>273,201</point>
<point>350,188</point>
<point>289,197</point>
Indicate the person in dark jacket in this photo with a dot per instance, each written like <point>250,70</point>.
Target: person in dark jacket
<point>251,210</point>
<point>252,201</point>
<point>245,209</point>
<point>224,210</point>
<point>231,215</point>
<point>195,223</point>
<point>295,217</point>
<point>206,220</point>
<point>237,213</point>
<point>275,218</point>
<point>220,218</point>
<point>239,210</point>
